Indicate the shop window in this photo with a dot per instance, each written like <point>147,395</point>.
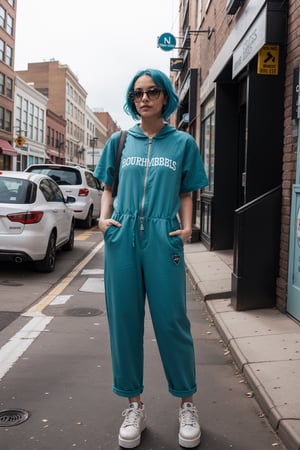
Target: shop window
<point>208,142</point>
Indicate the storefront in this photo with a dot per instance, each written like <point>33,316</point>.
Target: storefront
<point>242,138</point>
<point>7,152</point>
<point>30,154</point>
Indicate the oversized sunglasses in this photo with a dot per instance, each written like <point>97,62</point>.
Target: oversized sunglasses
<point>152,93</point>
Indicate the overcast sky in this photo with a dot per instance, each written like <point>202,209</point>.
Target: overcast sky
<point>104,42</point>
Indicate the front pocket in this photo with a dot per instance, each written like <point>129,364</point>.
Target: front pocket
<point>109,232</point>
<point>175,241</point>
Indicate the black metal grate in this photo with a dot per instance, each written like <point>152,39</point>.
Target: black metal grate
<point>83,312</point>
<point>12,417</point>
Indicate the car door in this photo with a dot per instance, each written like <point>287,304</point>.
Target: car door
<point>95,193</point>
<point>57,211</point>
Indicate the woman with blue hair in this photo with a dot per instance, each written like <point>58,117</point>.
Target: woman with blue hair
<point>145,227</point>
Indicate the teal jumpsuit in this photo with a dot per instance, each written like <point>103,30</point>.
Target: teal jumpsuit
<point>141,259</point>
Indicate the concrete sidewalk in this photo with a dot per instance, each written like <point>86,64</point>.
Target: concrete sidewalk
<point>264,343</point>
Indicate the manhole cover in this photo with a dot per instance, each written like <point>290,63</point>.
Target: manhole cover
<point>12,417</point>
<point>10,283</point>
<point>83,312</point>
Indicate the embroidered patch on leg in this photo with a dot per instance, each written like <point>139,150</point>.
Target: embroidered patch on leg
<point>176,259</point>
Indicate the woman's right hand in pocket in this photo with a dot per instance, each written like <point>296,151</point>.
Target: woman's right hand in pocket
<point>103,224</point>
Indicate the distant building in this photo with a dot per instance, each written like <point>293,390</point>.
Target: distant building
<point>66,97</point>
<point>95,138</point>
<point>30,108</point>
<point>107,121</point>
<point>55,137</point>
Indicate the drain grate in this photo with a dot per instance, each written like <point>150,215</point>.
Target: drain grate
<point>12,417</point>
<point>83,312</point>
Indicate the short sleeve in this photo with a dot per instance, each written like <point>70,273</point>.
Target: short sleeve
<point>105,168</point>
<point>193,173</point>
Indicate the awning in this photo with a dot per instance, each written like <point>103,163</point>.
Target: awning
<point>7,149</point>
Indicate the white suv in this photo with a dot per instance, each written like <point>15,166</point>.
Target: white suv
<point>76,182</point>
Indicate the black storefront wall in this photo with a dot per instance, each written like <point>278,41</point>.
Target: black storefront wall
<point>250,154</point>
<point>257,223</point>
<point>226,160</point>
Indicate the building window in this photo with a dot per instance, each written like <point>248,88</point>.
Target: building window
<point>9,25</point>
<point>25,114</point>
<point>7,124</point>
<point>2,78</point>
<point>208,141</point>
<point>1,118</point>
<point>8,58</point>
<point>9,87</point>
<point>11,3</point>
<point>199,13</point>
<point>1,50</point>
<point>2,16</point>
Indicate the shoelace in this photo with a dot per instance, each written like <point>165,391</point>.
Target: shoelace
<point>189,416</point>
<point>132,416</point>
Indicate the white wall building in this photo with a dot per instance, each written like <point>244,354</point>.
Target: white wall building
<point>95,138</point>
<point>29,122</point>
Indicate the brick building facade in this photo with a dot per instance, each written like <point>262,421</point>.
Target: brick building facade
<point>238,88</point>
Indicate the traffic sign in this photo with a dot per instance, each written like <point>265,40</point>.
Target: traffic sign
<point>268,60</point>
<point>20,141</point>
<point>166,42</point>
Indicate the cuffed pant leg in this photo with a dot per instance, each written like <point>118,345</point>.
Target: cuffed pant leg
<point>165,280</point>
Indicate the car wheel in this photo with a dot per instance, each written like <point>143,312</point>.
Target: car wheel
<point>48,263</point>
<point>88,221</point>
<point>70,244</point>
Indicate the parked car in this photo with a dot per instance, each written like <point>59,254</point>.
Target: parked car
<point>76,182</point>
<point>35,219</point>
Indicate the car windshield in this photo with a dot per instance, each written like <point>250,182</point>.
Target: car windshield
<point>16,190</point>
<point>62,176</point>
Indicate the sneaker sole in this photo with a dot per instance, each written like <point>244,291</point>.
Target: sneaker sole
<point>132,443</point>
<point>189,443</point>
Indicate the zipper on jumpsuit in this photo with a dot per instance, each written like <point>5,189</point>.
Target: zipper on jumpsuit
<point>142,209</point>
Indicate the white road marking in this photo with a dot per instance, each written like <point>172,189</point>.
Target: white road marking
<point>21,341</point>
<point>61,299</point>
<point>92,272</point>
<point>45,301</point>
<point>95,285</point>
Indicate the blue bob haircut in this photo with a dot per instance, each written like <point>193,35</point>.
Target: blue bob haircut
<point>161,80</point>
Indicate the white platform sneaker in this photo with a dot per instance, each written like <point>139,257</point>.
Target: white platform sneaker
<point>189,428</point>
<point>132,426</point>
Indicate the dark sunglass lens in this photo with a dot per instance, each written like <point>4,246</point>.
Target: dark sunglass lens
<point>153,93</point>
